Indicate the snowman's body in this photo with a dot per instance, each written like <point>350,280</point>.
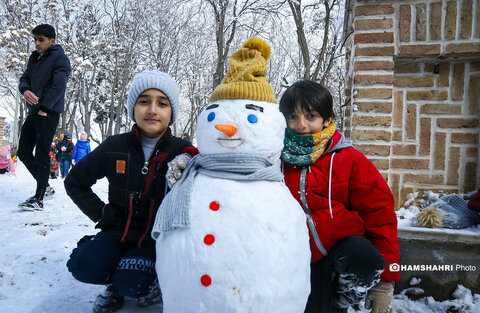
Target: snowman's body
<point>247,246</point>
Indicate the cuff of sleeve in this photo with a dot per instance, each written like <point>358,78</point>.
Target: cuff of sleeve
<point>190,150</point>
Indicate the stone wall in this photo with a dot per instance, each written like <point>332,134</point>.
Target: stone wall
<point>413,88</point>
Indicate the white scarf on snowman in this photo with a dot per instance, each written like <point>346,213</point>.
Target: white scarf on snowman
<point>174,209</point>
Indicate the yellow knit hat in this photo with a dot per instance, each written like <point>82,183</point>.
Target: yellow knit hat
<point>246,77</point>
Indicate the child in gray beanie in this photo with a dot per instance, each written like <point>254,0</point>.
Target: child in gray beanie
<point>122,255</point>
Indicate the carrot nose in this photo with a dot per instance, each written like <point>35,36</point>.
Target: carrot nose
<point>227,129</point>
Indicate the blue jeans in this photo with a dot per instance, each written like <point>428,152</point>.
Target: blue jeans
<point>102,260</point>
<point>64,167</point>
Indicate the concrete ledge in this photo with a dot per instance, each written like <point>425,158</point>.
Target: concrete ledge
<point>441,258</point>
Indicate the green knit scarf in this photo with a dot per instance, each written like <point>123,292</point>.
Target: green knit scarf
<point>305,150</point>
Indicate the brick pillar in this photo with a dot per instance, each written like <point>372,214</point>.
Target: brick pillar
<point>414,77</point>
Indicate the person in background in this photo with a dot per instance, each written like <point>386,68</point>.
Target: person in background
<point>53,160</point>
<point>64,153</point>
<point>122,255</point>
<point>43,86</point>
<point>6,163</point>
<point>349,207</point>
<point>82,147</point>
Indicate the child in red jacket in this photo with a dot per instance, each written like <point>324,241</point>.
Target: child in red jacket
<point>349,207</point>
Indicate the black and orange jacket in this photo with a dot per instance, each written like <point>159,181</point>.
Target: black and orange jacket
<point>136,188</point>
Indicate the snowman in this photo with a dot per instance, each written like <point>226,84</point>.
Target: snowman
<point>230,238</point>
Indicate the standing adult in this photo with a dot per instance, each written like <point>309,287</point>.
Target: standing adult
<point>43,86</point>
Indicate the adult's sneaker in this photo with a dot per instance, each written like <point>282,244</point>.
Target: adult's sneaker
<point>154,296</point>
<point>31,204</point>
<point>49,194</point>
<point>109,301</point>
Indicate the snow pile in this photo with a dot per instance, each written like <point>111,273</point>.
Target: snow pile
<point>35,247</point>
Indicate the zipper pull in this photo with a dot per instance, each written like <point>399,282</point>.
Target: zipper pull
<point>145,168</point>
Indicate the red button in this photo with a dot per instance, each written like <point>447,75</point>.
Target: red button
<point>206,280</point>
<point>214,206</point>
<point>209,239</point>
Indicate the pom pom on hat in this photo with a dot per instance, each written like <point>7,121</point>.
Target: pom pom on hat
<point>450,211</point>
<point>246,76</point>
<point>156,80</point>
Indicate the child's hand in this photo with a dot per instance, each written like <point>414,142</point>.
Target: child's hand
<point>380,298</point>
<point>176,167</point>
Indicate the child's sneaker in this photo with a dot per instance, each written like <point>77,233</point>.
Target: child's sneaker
<point>154,296</point>
<point>109,301</point>
<point>49,194</point>
<point>31,204</point>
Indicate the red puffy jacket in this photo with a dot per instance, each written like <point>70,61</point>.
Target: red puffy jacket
<point>361,202</point>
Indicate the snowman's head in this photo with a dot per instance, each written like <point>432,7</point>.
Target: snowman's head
<point>241,126</point>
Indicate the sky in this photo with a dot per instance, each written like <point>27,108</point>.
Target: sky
<point>35,247</point>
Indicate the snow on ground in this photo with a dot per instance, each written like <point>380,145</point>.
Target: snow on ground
<point>35,247</point>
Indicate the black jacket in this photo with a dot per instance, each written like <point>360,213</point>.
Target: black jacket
<point>47,78</point>
<point>133,196</point>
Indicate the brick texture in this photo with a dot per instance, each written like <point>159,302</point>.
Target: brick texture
<point>417,105</point>
<point>466,19</point>
<point>440,149</point>
<point>474,95</point>
<point>458,81</point>
<point>436,21</point>
<point>373,10</point>
<point>374,79</point>
<point>411,122</point>
<point>451,20</point>
<point>421,23</point>
<point>384,37</point>
<point>373,65</point>
<point>405,22</point>
<point>425,135</point>
<point>374,24</point>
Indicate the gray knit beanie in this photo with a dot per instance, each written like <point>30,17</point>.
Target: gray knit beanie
<point>157,80</point>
